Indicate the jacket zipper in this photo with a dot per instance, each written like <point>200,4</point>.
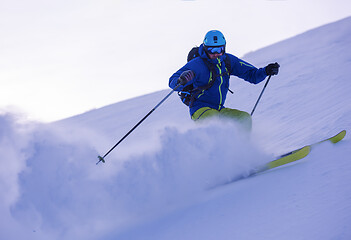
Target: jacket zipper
<point>220,85</point>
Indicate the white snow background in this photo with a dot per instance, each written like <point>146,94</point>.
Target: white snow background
<point>156,184</point>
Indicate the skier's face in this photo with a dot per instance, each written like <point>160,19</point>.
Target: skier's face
<point>214,55</point>
<point>214,52</point>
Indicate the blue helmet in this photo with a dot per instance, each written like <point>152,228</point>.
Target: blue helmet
<point>214,38</point>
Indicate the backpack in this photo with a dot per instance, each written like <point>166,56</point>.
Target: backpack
<point>189,93</point>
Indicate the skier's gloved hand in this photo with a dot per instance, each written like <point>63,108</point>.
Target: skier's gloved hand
<point>186,77</point>
<point>272,69</point>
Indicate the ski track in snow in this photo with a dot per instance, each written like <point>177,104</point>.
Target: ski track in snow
<point>155,185</point>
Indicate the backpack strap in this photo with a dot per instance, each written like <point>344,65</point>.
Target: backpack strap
<point>197,91</point>
<point>227,64</point>
<point>229,68</point>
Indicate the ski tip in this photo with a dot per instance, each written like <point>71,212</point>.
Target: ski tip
<point>338,137</point>
<point>101,159</point>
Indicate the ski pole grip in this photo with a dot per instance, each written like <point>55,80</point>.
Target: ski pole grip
<point>176,87</point>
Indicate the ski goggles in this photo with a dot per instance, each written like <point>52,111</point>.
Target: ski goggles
<point>214,50</point>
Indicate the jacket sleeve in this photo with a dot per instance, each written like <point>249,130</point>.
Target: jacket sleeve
<point>174,79</point>
<point>246,71</point>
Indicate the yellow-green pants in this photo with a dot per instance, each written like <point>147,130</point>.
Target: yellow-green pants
<point>240,116</point>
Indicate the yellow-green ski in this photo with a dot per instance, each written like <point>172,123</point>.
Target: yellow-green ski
<point>294,156</point>
<point>337,138</point>
<point>287,158</point>
<point>299,153</point>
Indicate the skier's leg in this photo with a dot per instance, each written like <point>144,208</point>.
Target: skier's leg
<point>240,116</point>
<point>204,113</point>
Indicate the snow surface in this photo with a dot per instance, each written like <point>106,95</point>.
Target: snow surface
<point>157,183</point>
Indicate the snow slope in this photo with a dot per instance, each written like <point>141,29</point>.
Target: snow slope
<point>155,185</point>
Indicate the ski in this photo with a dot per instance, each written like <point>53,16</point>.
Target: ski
<point>287,158</point>
<point>297,154</point>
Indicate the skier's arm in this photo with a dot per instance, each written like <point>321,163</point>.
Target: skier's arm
<point>246,71</point>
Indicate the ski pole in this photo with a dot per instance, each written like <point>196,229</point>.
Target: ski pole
<point>102,159</point>
<point>261,94</point>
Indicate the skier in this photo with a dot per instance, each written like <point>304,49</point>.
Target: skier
<point>209,74</point>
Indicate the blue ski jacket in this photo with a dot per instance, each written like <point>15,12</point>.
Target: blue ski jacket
<point>215,96</point>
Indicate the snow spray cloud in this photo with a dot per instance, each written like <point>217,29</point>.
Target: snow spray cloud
<point>186,166</point>
<point>47,192</point>
<point>192,161</point>
<point>13,140</point>
<point>59,193</point>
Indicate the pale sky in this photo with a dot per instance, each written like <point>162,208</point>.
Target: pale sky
<point>60,58</point>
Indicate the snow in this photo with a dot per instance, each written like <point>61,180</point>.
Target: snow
<point>158,183</point>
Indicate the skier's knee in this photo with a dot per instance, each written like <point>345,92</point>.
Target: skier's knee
<point>239,116</point>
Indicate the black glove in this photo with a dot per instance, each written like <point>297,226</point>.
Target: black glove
<point>272,69</point>
<point>186,77</point>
